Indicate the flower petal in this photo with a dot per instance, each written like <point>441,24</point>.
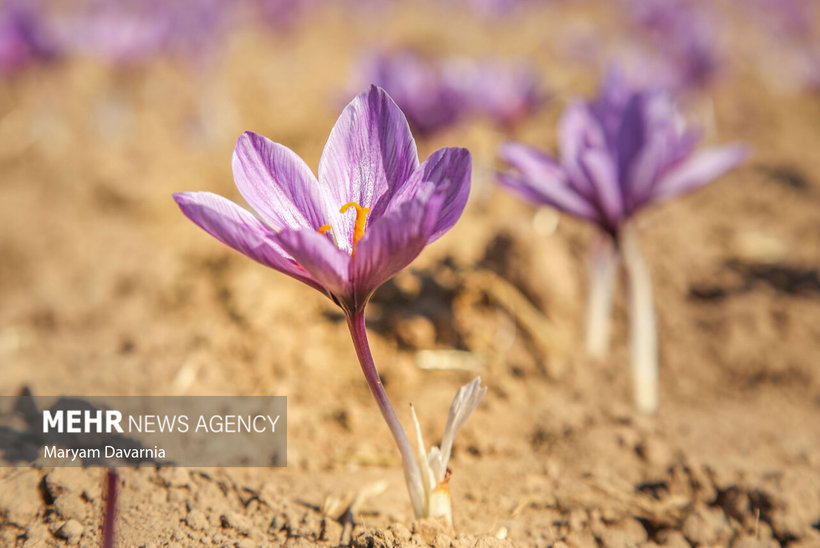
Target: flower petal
<point>448,171</point>
<point>277,183</point>
<point>369,152</point>
<point>603,174</point>
<point>531,162</point>
<point>542,181</point>
<point>699,170</point>
<point>239,229</point>
<point>392,243</point>
<point>325,262</point>
<point>579,130</point>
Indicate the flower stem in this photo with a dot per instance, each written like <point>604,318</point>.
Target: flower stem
<point>644,343</point>
<point>355,321</point>
<point>110,516</point>
<point>603,271</point>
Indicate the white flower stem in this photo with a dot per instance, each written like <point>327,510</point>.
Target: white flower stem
<point>644,341</point>
<point>603,271</point>
<point>412,477</point>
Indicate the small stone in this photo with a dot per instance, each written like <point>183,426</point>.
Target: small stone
<point>442,541</point>
<point>36,536</point>
<point>627,533</point>
<point>19,497</point>
<point>400,531</point>
<point>196,520</point>
<point>416,332</point>
<point>70,505</point>
<point>752,542</point>
<point>428,529</point>
<point>331,531</point>
<point>672,539</point>
<point>581,539</point>
<point>490,542</point>
<point>71,531</point>
<point>706,526</point>
<point>65,480</point>
<point>234,520</point>
<point>174,477</point>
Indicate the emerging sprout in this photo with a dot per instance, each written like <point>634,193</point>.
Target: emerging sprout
<point>619,154</point>
<point>369,214</point>
<point>435,475</point>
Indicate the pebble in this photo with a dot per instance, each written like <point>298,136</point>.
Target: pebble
<point>71,531</point>
<point>234,520</point>
<point>70,505</point>
<point>19,498</point>
<point>196,520</point>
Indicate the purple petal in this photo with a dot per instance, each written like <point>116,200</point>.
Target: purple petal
<point>319,256</point>
<point>531,163</point>
<point>602,173</point>
<point>277,183</point>
<point>699,170</point>
<point>369,153</point>
<point>632,134</point>
<point>543,181</point>
<point>237,228</point>
<point>392,243</point>
<point>447,171</point>
<point>551,193</point>
<point>578,131</point>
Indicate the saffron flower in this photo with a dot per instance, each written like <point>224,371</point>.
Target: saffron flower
<point>419,86</point>
<point>436,93</point>
<point>23,39</point>
<point>619,154</point>
<point>369,214</point>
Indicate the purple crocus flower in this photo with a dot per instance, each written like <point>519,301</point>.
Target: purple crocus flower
<point>619,154</point>
<point>683,40</point>
<point>419,86</point>
<point>369,214</point>
<point>505,93</point>
<point>435,93</point>
<point>22,39</point>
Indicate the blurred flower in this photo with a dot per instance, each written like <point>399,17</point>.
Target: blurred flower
<point>123,32</point>
<point>22,39</point>
<point>505,93</point>
<point>683,47</point>
<point>282,14</point>
<point>491,8</point>
<point>418,86</point>
<point>369,214</point>
<point>788,19</point>
<point>437,93</point>
<point>620,153</point>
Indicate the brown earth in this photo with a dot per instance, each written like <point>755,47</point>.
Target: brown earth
<point>107,289</point>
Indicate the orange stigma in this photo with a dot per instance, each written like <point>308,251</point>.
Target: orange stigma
<point>323,229</point>
<point>361,219</point>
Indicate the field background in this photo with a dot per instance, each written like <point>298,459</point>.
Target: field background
<point>107,289</point>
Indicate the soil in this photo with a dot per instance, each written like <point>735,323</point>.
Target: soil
<point>107,289</point>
